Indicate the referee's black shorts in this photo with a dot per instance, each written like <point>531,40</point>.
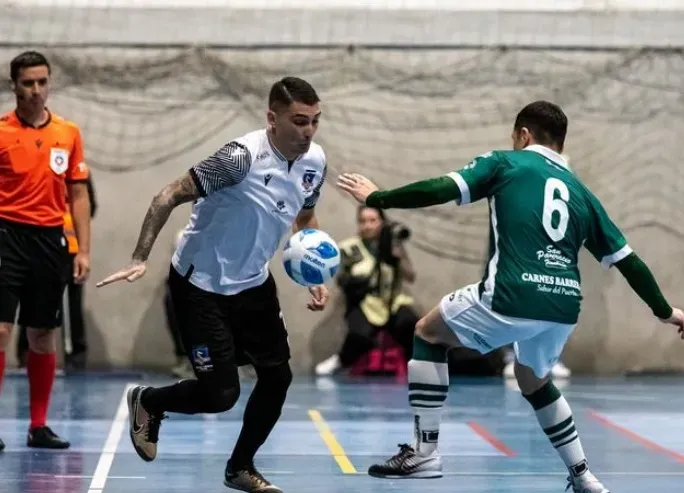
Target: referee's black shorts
<point>222,332</point>
<point>34,270</point>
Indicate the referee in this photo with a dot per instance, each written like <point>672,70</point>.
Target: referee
<point>41,163</point>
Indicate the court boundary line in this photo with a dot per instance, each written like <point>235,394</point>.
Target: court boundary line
<point>649,444</point>
<point>116,430</point>
<point>488,437</point>
<point>331,442</point>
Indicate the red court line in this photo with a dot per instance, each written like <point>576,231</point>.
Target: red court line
<point>637,438</point>
<point>491,439</point>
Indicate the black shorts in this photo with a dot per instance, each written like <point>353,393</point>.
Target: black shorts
<point>222,332</point>
<point>34,269</point>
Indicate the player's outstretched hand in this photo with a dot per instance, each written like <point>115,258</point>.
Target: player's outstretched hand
<point>677,319</point>
<point>131,273</point>
<point>319,297</point>
<point>357,185</point>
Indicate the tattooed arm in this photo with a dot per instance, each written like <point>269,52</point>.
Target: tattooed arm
<point>172,195</point>
<point>226,167</point>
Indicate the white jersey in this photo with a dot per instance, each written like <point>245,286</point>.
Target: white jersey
<point>251,196</point>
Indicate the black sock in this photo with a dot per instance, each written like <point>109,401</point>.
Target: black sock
<point>185,397</point>
<point>262,412</point>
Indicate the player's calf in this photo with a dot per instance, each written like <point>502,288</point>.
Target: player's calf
<point>555,417</point>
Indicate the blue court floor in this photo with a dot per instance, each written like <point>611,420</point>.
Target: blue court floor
<point>332,430</point>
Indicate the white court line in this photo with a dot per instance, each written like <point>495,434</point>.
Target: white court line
<point>104,464</point>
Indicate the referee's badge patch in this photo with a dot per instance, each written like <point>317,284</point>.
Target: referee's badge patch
<point>59,160</point>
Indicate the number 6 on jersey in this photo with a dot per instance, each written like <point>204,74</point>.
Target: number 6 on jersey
<point>559,205</point>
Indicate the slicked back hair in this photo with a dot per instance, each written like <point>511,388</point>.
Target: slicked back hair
<point>289,90</point>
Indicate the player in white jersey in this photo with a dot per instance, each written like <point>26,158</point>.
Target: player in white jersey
<point>247,195</point>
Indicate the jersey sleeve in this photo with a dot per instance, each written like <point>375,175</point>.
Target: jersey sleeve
<point>605,241</point>
<point>226,167</point>
<point>77,170</point>
<point>312,199</point>
<point>477,179</point>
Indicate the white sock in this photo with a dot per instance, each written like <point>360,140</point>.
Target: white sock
<point>428,384</point>
<point>557,422</point>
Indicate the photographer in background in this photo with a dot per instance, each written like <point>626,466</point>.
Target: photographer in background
<point>374,266</point>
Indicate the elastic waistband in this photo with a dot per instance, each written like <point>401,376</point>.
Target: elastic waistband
<point>31,228</point>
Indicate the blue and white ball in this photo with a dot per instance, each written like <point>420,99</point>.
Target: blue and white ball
<point>311,257</point>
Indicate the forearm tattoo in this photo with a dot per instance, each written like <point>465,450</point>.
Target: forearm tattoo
<point>181,191</point>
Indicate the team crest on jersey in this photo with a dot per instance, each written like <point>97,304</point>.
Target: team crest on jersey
<point>308,181</point>
<point>59,160</point>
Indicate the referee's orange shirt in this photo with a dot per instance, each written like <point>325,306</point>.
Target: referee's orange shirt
<point>35,165</point>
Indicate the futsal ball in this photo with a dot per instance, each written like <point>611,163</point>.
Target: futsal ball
<point>311,257</point>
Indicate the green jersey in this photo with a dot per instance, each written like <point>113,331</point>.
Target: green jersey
<point>541,215</point>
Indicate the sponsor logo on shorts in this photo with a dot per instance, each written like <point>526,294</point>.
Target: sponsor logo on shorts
<point>201,359</point>
<point>480,340</point>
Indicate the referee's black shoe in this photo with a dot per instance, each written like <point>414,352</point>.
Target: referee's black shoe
<point>248,479</point>
<point>44,437</point>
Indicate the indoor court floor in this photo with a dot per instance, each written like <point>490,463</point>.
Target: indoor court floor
<point>332,430</point>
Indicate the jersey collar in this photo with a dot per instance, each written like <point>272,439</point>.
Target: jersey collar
<point>548,154</point>
<point>277,153</point>
<point>24,123</point>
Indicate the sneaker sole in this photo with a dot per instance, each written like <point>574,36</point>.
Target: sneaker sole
<point>271,489</point>
<point>131,425</point>
<point>48,447</point>
<point>414,475</point>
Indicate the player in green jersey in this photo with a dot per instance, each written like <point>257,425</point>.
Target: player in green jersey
<point>541,215</point>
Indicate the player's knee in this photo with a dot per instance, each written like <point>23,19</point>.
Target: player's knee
<point>5,333</point>
<point>528,381</point>
<point>278,378</point>
<point>218,400</point>
<point>426,332</point>
<point>421,328</point>
<point>42,341</point>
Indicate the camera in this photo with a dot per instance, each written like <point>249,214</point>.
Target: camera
<point>398,231</point>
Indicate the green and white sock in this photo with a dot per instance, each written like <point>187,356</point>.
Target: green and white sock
<point>428,384</point>
<point>555,417</point>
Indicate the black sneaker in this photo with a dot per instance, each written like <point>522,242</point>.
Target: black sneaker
<point>2,445</point>
<point>248,479</point>
<point>44,437</point>
<point>407,464</point>
<point>143,426</point>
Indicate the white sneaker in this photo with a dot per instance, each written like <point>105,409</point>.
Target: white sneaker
<point>559,370</point>
<point>328,366</point>
<point>586,483</point>
<point>407,464</point>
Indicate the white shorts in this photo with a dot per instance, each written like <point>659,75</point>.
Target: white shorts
<point>537,344</point>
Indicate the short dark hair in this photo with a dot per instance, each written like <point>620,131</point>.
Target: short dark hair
<point>289,90</point>
<point>546,121</point>
<point>26,60</point>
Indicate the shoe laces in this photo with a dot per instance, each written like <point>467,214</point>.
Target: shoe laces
<point>153,424</point>
<point>405,451</point>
